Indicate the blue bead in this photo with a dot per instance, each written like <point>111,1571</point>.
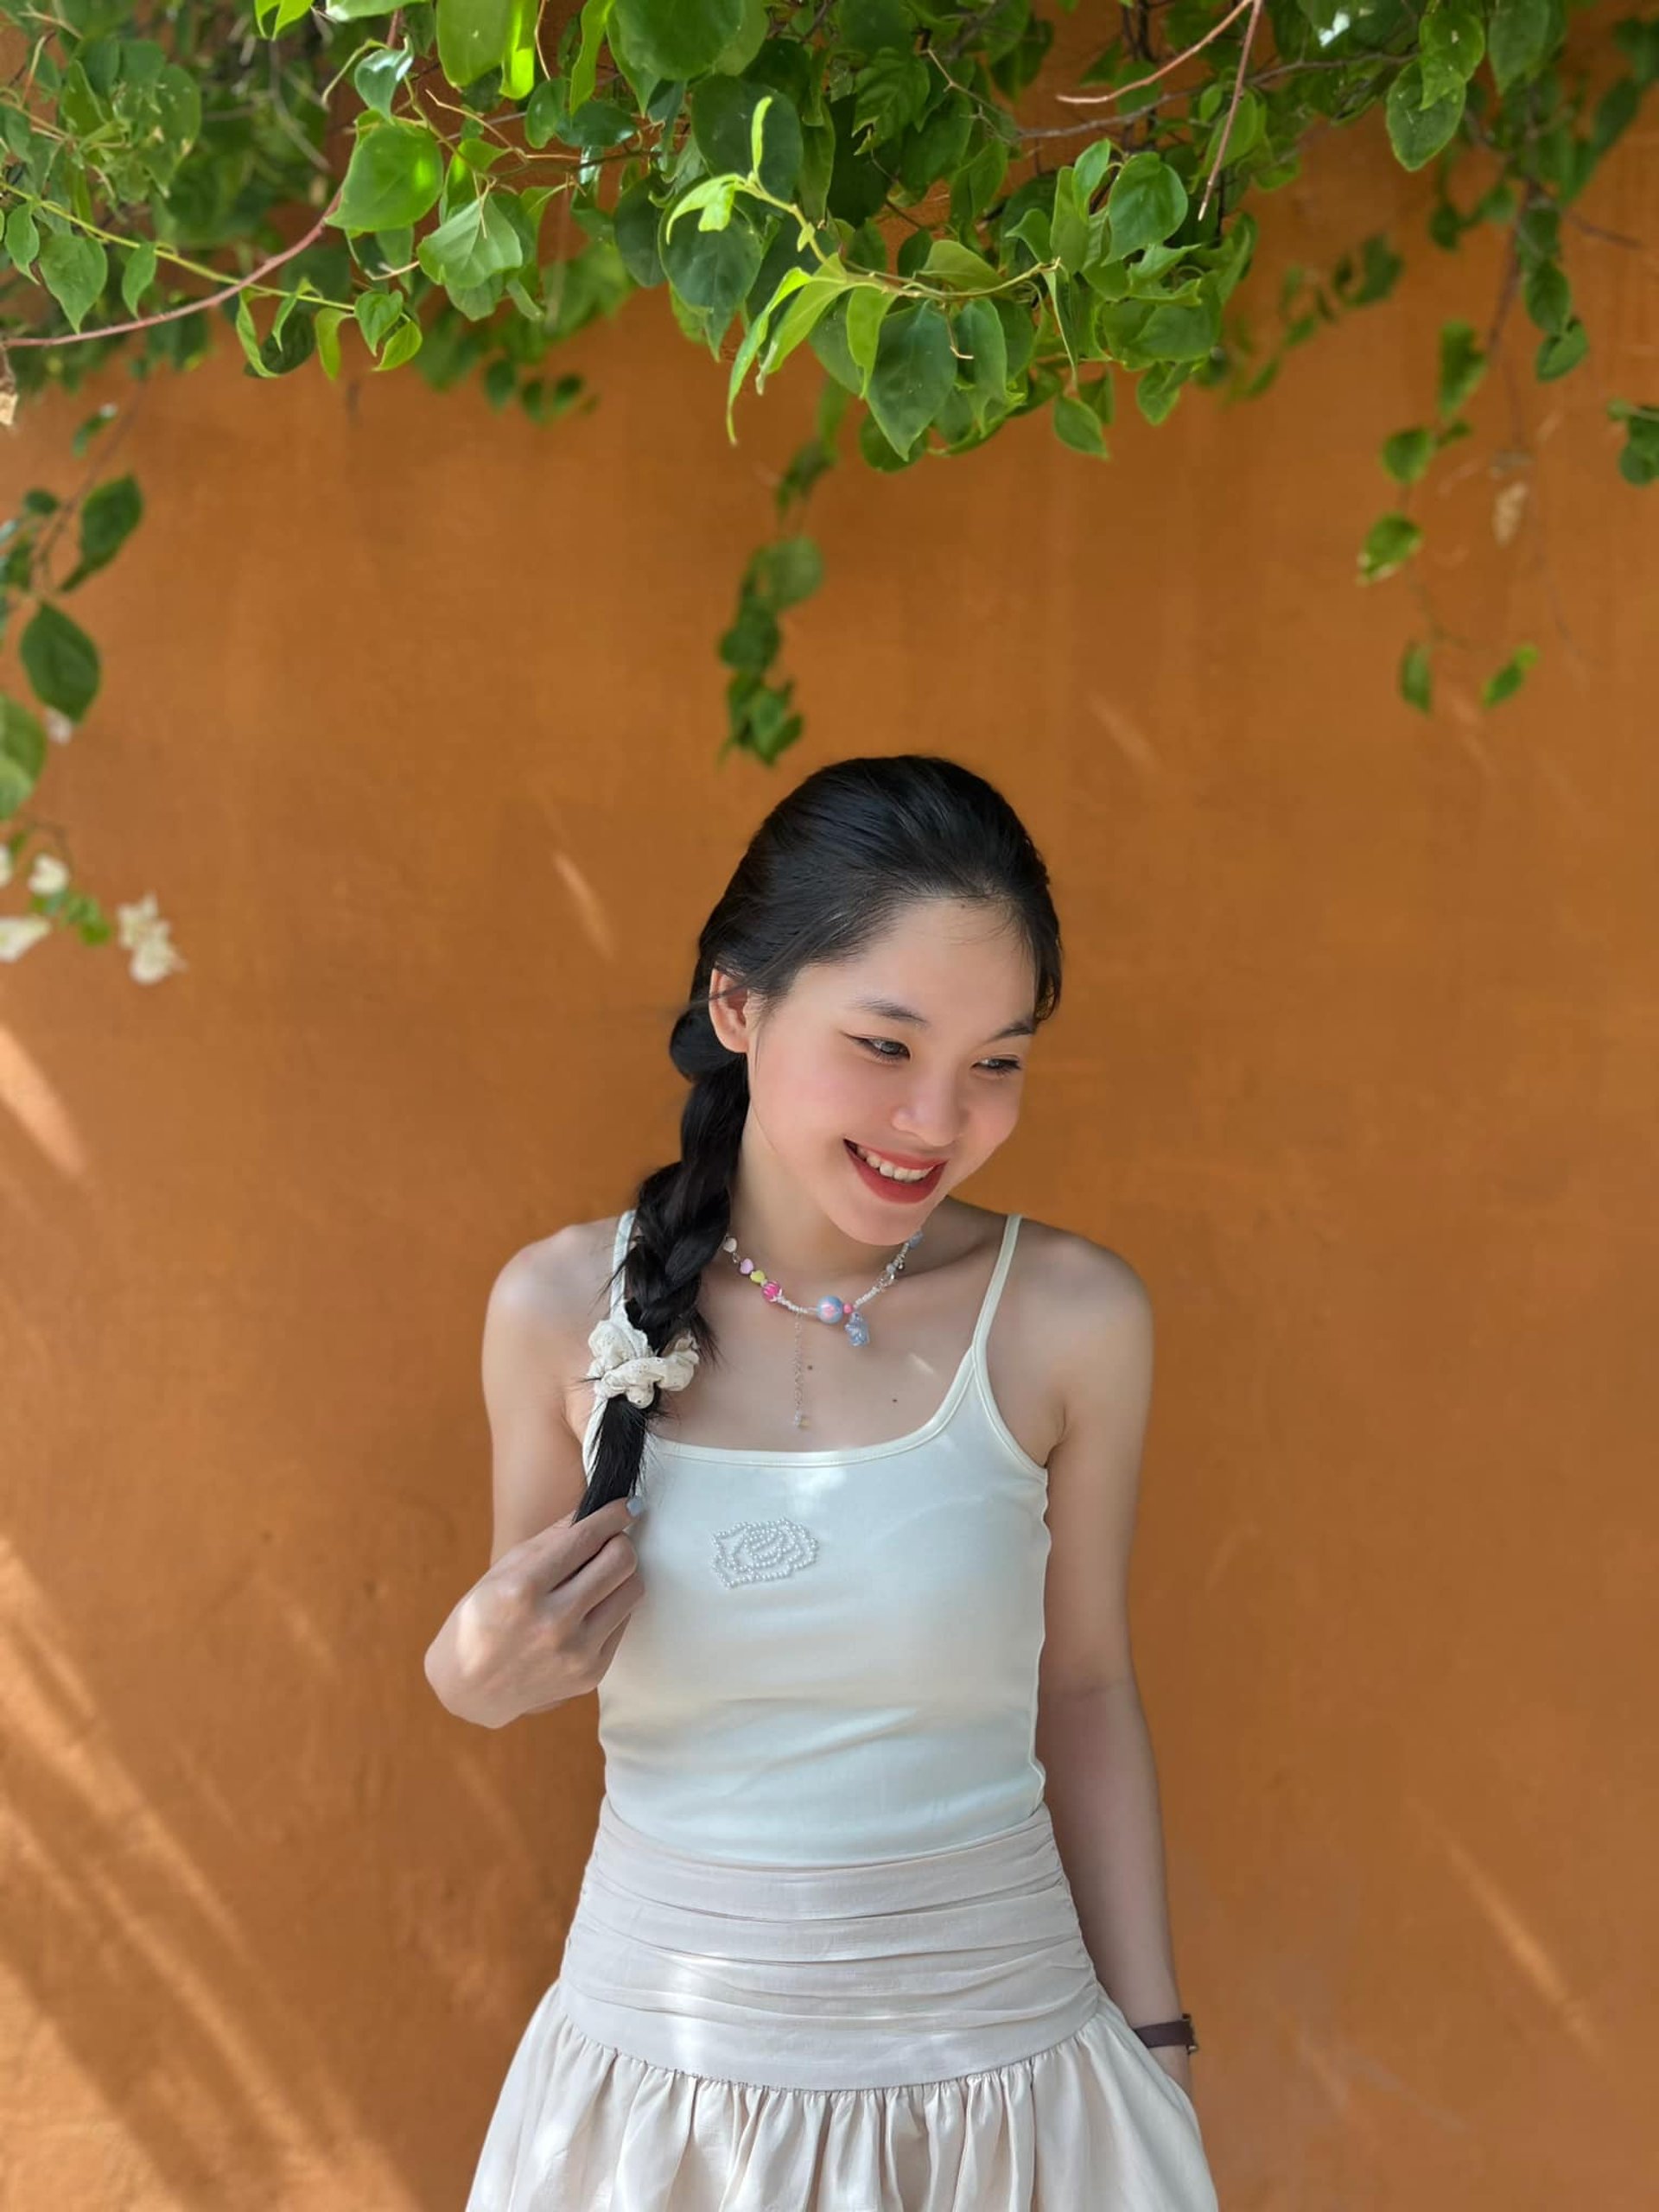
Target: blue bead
<point>858,1330</point>
<point>831,1309</point>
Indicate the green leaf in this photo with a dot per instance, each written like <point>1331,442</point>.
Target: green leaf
<point>1638,461</point>
<point>1614,113</point>
<point>1549,297</point>
<point>1069,225</point>
<point>754,338</point>
<point>402,342</point>
<point>73,269</point>
<point>584,70</point>
<point>138,275</point>
<point>713,268</point>
<point>1462,365</point>
<point>252,349</point>
<point>376,313</point>
<point>711,202</point>
<point>980,180</point>
<point>379,74</point>
<point>109,515</point>
<point>951,263</point>
<point>739,51</point>
<point>1517,39</point>
<point>1507,680</point>
<point>1079,426</point>
<point>678,39</point>
<point>475,36</point>
<point>22,238</point>
<point>1379,273</point>
<point>726,114</point>
<point>329,322</point>
<point>915,370</point>
<point>1146,202</point>
<point>1389,544</point>
<point>1419,128</point>
<point>1561,353</point>
<point>784,572</point>
<point>394,177</point>
<point>891,94</point>
<point>1407,455</point>
<point>61,661</point>
<point>877,26</point>
<point>1158,388</point>
<point>273,16</point>
<point>1181,330</point>
<point>636,221</point>
<point>814,298</point>
<point>1638,40</point>
<point>1416,677</point>
<point>474,243</point>
<point>596,125</point>
<point>1090,169</point>
<point>23,754</point>
<point>980,337</point>
<point>1452,39</point>
<point>866,308</point>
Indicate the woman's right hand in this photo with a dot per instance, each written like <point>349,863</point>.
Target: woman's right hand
<point>543,1623</point>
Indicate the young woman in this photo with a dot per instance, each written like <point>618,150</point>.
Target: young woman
<point>874,1919</point>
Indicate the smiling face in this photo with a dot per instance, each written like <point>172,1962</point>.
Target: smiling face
<point>835,1064</point>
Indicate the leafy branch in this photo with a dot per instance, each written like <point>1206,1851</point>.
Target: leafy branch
<point>848,180</point>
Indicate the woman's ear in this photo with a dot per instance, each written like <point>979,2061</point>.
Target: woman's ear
<point>729,1010</point>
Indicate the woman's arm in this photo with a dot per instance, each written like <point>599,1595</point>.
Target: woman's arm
<point>1091,1732</point>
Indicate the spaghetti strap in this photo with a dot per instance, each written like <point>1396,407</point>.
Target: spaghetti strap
<point>625,1223</point>
<point>994,1290</point>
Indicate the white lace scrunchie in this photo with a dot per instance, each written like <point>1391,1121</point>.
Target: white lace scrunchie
<point>625,1364</point>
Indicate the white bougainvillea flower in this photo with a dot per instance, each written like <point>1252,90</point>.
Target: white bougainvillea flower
<point>156,957</point>
<point>58,726</point>
<point>48,874</point>
<point>145,933</point>
<point>19,931</point>
<point>135,921</point>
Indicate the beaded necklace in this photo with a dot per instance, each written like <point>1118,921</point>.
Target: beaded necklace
<point>836,1312</point>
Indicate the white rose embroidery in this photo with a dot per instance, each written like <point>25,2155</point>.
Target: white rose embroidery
<point>763,1551</point>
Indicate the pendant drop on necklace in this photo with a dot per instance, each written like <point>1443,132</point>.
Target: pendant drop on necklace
<point>839,1312</point>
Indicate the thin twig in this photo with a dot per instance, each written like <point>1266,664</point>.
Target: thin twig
<point>190,307</point>
<point>1232,110</point>
<point>1116,92</point>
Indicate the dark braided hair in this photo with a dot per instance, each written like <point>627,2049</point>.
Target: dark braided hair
<point>829,870</point>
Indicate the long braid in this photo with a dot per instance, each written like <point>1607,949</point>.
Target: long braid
<point>682,1215</point>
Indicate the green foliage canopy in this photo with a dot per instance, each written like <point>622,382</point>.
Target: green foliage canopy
<point>464,186</point>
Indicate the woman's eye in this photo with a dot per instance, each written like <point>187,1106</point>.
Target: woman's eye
<point>1000,1067</point>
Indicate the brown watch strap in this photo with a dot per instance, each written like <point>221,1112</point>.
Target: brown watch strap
<point>1161,2032</point>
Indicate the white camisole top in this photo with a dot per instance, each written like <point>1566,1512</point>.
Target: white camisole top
<point>836,1658</point>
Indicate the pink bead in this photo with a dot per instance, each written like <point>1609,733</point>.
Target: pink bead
<point>771,1290</point>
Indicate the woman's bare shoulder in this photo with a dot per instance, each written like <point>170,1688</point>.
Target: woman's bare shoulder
<point>1066,1268</point>
<point>559,1282</point>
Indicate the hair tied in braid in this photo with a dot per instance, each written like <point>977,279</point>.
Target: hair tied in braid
<point>626,1365</point>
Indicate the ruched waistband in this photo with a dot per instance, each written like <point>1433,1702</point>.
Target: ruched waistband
<point>834,1976</point>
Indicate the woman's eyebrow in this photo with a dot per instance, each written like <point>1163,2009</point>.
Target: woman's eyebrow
<point>890,1010</point>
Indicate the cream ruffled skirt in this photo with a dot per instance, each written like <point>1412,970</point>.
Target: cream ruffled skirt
<point>922,2034</point>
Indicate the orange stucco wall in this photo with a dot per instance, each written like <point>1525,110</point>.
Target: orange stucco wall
<point>410,719</point>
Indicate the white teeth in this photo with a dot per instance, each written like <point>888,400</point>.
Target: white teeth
<point>898,1175</point>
